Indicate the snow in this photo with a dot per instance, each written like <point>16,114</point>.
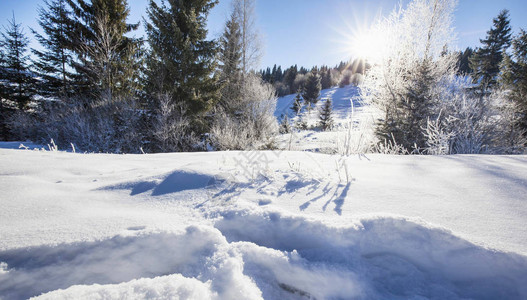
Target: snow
<point>308,223</point>
<point>261,224</point>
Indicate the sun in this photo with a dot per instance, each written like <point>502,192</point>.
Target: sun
<point>369,45</point>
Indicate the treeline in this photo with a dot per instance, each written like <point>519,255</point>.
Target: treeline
<point>293,79</point>
<point>94,86</point>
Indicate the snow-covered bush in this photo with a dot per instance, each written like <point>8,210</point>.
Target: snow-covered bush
<point>171,129</point>
<point>104,126</point>
<point>253,125</point>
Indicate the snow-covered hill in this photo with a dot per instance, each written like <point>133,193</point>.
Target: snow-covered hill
<point>353,123</point>
<point>253,225</point>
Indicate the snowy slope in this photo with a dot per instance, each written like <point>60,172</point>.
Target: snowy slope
<point>253,225</point>
<point>353,120</point>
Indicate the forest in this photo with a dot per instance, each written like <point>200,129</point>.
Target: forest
<point>94,88</point>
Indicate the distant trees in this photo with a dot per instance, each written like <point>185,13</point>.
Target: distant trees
<point>291,79</point>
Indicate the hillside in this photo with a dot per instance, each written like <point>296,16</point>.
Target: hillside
<point>353,121</point>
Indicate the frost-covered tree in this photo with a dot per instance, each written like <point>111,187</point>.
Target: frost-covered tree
<point>245,117</point>
<point>250,40</point>
<point>408,81</point>
<point>297,103</point>
<point>487,59</point>
<point>325,115</point>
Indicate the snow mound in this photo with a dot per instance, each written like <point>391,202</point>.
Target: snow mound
<point>383,257</point>
<point>255,254</point>
<point>167,287</point>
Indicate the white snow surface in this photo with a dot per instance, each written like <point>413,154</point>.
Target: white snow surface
<point>262,225</point>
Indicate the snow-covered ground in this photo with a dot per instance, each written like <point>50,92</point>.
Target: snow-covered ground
<point>253,225</point>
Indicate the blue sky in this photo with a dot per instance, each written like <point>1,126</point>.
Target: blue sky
<point>312,32</point>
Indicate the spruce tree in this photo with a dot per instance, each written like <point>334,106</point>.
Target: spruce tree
<point>285,127</point>
<point>230,65</point>
<point>463,64</point>
<point>107,59</point>
<point>53,63</point>
<point>325,116</point>
<point>312,89</point>
<point>514,78</point>
<point>16,77</point>
<point>297,104</point>
<point>289,77</point>
<point>181,61</point>
<point>487,59</point>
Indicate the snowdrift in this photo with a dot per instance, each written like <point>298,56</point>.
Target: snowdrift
<point>271,255</point>
<point>169,226</point>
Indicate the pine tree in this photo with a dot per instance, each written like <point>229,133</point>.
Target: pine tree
<point>297,104</point>
<point>312,89</point>
<point>230,65</point>
<point>181,61</point>
<point>325,115</point>
<point>16,77</point>
<point>463,64</point>
<point>514,78</point>
<point>285,127</point>
<point>53,64</point>
<point>107,59</point>
<point>487,59</point>
<point>289,77</point>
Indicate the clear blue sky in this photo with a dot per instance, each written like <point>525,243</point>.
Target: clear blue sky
<point>311,32</point>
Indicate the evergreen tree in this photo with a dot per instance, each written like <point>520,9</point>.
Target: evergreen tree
<point>230,65</point>
<point>325,79</point>
<point>514,78</point>
<point>289,77</point>
<point>16,77</point>
<point>54,62</point>
<point>181,61</point>
<point>464,61</point>
<point>487,59</point>
<point>107,59</point>
<point>325,116</point>
<point>297,104</point>
<point>285,127</point>
<point>312,89</point>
